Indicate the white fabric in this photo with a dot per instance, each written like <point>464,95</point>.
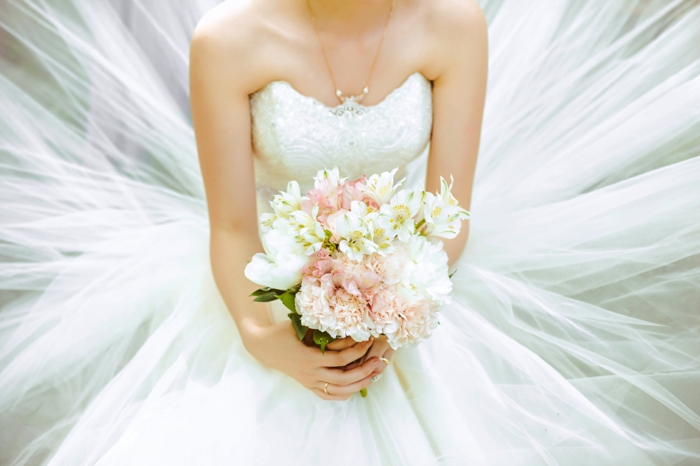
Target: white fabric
<point>573,338</point>
<point>294,134</point>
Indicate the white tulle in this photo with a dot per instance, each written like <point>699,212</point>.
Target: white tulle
<point>574,333</point>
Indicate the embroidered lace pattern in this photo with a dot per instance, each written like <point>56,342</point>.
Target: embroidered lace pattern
<point>295,135</point>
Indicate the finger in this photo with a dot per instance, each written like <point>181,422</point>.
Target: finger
<point>341,344</point>
<point>378,350</point>
<point>341,377</point>
<point>340,390</point>
<point>383,364</point>
<point>321,394</point>
<point>387,355</point>
<point>343,357</point>
<point>354,364</point>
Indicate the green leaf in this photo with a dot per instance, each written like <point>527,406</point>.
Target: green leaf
<point>259,292</point>
<point>298,327</point>
<point>363,392</point>
<point>287,299</point>
<point>322,339</point>
<point>266,298</point>
<point>450,276</point>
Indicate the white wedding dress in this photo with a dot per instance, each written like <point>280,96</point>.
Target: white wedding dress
<point>574,333</point>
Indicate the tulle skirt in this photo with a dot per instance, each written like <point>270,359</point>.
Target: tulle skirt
<point>574,333</point>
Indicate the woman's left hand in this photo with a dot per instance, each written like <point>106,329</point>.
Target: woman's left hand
<point>380,349</point>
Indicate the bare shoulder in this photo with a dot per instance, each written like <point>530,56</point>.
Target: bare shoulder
<point>457,30</point>
<point>456,18</point>
<point>228,45</point>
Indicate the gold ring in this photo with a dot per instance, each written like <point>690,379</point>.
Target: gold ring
<point>386,361</point>
<point>325,388</point>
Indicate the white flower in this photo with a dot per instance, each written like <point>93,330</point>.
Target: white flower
<point>280,266</point>
<point>309,232</point>
<point>381,187</point>
<point>397,217</point>
<point>285,203</point>
<point>328,178</point>
<point>425,274</point>
<point>267,221</point>
<point>441,220</point>
<point>353,229</point>
<point>382,237</point>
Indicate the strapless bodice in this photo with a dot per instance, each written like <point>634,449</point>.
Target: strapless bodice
<point>295,135</point>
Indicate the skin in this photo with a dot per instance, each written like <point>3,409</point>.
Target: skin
<point>239,47</point>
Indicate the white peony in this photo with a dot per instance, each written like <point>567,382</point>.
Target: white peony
<point>280,266</point>
<point>425,275</point>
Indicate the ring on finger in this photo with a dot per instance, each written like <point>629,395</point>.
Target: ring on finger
<point>325,389</point>
<point>386,361</point>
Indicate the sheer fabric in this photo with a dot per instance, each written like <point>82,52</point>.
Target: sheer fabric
<point>574,334</point>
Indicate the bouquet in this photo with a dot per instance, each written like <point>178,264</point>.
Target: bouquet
<point>357,258</point>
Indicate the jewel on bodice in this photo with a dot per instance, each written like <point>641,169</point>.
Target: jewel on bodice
<point>295,135</point>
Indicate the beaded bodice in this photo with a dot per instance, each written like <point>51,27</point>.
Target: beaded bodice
<point>294,135</point>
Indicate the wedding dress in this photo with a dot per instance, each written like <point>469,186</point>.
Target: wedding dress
<point>573,337</point>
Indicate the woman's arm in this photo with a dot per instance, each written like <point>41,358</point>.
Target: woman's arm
<point>458,102</point>
<point>225,68</point>
<point>459,93</point>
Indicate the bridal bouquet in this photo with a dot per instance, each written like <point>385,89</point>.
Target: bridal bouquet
<point>357,258</point>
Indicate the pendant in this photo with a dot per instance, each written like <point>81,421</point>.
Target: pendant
<point>352,98</point>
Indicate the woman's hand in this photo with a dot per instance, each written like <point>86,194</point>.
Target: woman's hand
<point>379,350</point>
<point>277,346</point>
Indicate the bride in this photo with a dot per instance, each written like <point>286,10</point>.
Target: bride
<point>127,336</point>
<point>232,58</point>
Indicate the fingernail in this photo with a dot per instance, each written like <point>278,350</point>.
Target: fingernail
<point>375,363</point>
<point>376,377</point>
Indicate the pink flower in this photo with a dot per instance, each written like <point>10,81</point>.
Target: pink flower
<point>385,311</point>
<point>320,264</point>
<point>329,224</point>
<point>417,321</point>
<point>332,309</point>
<point>351,313</point>
<point>355,277</point>
<point>354,191</point>
<point>389,267</point>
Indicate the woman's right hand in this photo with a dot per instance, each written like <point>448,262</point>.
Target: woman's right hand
<point>277,346</point>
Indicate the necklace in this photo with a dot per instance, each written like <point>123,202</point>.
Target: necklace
<point>365,90</point>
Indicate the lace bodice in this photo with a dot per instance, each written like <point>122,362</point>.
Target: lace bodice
<point>294,135</point>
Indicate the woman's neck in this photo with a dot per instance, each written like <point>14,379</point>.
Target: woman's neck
<point>350,17</point>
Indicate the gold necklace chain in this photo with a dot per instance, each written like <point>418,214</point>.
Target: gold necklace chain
<point>365,90</point>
